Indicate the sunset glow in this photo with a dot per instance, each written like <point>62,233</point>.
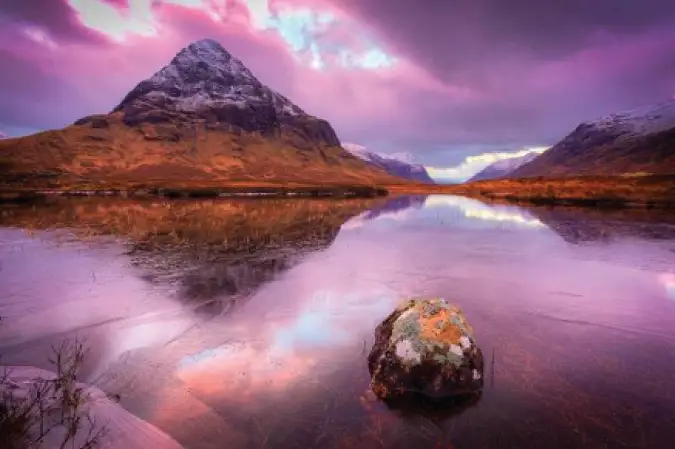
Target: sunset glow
<point>456,93</point>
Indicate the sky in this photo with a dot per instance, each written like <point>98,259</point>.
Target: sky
<point>456,84</point>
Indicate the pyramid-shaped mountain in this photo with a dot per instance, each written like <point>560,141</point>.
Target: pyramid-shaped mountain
<point>202,120</point>
<point>205,84</point>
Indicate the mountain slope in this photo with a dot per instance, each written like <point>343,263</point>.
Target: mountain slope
<point>203,119</point>
<point>640,141</point>
<point>501,169</point>
<point>392,165</point>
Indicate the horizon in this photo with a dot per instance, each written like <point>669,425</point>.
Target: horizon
<point>339,61</point>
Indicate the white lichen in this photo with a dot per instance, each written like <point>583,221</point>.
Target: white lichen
<point>456,350</point>
<point>476,374</point>
<point>406,352</point>
<point>465,342</point>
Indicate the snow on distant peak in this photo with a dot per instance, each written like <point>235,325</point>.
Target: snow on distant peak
<point>3,135</point>
<point>644,120</point>
<point>397,164</point>
<point>364,153</point>
<point>354,148</point>
<point>510,164</point>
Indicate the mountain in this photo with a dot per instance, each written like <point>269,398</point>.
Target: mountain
<point>502,168</point>
<point>393,165</point>
<point>202,120</point>
<point>639,141</point>
<point>2,135</point>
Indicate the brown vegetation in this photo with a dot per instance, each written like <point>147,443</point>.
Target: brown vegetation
<point>227,223</point>
<point>588,190</point>
<point>49,412</point>
<point>108,154</point>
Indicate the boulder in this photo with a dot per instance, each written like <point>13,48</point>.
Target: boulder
<point>427,347</point>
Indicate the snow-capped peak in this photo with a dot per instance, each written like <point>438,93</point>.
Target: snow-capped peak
<point>397,164</point>
<point>510,164</point>
<point>362,152</point>
<point>3,135</point>
<point>211,53</point>
<point>204,74</point>
<point>644,120</point>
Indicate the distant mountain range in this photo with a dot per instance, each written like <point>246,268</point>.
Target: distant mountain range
<point>202,120</point>
<point>393,165</point>
<point>635,142</point>
<point>502,168</point>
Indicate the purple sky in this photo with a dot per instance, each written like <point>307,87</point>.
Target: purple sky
<point>440,79</point>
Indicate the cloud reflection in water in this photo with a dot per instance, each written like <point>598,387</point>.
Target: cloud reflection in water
<point>475,209</point>
<point>282,352</point>
<point>668,281</point>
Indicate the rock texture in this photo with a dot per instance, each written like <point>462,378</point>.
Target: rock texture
<point>202,120</point>
<point>426,347</point>
<point>393,165</point>
<point>503,168</point>
<point>204,85</point>
<point>640,141</point>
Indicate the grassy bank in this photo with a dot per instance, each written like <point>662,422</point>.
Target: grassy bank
<point>237,189</point>
<point>611,191</point>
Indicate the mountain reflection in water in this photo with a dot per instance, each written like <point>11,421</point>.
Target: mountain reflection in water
<point>247,323</point>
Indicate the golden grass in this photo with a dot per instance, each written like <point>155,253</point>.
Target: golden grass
<point>233,225</point>
<point>657,190</point>
<point>117,156</point>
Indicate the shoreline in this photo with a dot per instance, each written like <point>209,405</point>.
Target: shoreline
<point>122,428</point>
<point>256,191</point>
<point>652,191</point>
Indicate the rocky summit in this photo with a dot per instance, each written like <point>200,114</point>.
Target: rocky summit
<point>204,85</point>
<point>203,120</point>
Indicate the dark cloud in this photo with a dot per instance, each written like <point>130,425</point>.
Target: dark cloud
<point>56,17</point>
<point>460,39</point>
<point>537,68</point>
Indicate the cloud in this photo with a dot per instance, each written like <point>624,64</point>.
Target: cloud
<point>474,209</point>
<point>511,77</point>
<point>473,164</point>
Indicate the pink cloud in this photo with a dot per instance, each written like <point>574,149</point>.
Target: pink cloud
<point>61,67</point>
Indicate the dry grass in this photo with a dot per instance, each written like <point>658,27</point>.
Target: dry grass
<point>590,190</point>
<point>51,412</point>
<point>236,224</point>
<point>117,156</point>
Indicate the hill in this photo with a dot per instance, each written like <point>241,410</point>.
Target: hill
<point>202,120</point>
<point>393,165</point>
<point>503,168</point>
<point>635,142</point>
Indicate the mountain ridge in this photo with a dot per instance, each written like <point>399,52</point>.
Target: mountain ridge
<point>503,168</point>
<point>391,164</point>
<point>631,142</point>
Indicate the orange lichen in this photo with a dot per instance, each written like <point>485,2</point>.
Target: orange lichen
<point>439,328</point>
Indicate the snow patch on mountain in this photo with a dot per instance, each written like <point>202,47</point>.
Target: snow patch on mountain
<point>640,121</point>
<point>3,135</point>
<point>397,164</point>
<point>504,167</point>
<point>204,74</point>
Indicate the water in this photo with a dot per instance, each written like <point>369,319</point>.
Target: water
<point>247,323</point>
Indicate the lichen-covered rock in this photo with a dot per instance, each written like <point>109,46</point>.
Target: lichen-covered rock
<point>425,346</point>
